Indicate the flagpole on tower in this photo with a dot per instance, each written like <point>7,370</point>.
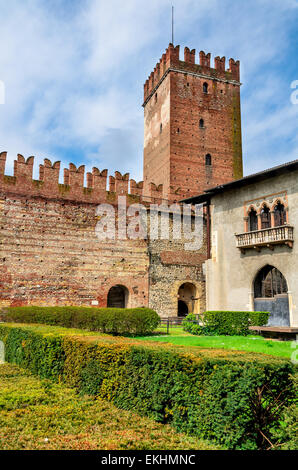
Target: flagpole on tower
<point>172,25</point>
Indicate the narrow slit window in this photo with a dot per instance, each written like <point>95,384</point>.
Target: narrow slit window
<point>205,87</point>
<point>208,159</point>
<point>201,123</point>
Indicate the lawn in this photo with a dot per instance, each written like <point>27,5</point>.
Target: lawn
<point>250,343</point>
<point>39,414</point>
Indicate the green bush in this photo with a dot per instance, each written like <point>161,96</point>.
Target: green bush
<point>191,325</point>
<point>115,321</point>
<point>285,434</point>
<point>224,322</point>
<point>258,318</point>
<point>229,397</point>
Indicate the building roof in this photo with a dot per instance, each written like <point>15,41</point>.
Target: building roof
<point>250,179</point>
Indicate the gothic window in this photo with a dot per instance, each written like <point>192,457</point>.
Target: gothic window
<point>279,215</point>
<point>269,282</point>
<point>208,159</point>
<point>201,123</point>
<point>253,221</point>
<point>265,217</point>
<point>205,87</point>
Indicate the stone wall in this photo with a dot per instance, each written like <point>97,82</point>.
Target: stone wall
<point>230,274</point>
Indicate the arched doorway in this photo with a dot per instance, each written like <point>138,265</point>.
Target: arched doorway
<point>186,299</point>
<point>117,297</point>
<point>271,295</point>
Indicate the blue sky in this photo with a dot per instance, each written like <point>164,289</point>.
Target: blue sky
<point>74,71</point>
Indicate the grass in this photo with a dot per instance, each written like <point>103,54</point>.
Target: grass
<point>249,343</point>
<point>41,415</point>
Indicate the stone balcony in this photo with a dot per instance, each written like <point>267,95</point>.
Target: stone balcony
<point>267,237</point>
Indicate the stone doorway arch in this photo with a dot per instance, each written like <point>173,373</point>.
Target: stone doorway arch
<point>117,297</point>
<point>271,295</point>
<point>186,299</point>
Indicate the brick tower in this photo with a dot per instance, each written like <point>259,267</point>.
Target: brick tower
<point>192,124</point>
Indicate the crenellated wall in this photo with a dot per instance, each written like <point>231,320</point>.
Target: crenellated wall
<point>50,253</point>
<point>73,189</point>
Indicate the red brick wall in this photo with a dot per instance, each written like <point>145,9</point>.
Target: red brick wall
<point>176,158</point>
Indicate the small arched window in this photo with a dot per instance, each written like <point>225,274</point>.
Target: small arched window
<point>201,123</point>
<point>205,87</point>
<point>265,217</point>
<point>279,214</point>
<point>208,159</point>
<point>160,128</point>
<point>253,221</point>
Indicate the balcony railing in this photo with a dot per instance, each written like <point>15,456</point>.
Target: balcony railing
<point>267,237</point>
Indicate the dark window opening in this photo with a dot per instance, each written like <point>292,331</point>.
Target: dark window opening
<point>205,87</point>
<point>201,124</point>
<point>253,220</point>
<point>208,159</point>
<point>279,215</point>
<point>160,128</point>
<point>265,217</point>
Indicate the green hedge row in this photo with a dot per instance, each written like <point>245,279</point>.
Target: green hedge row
<point>230,397</point>
<point>225,322</point>
<point>115,321</point>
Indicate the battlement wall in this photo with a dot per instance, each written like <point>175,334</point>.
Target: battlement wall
<point>171,59</point>
<point>99,188</point>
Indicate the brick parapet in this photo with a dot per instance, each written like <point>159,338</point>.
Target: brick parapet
<point>96,190</point>
<point>171,61</point>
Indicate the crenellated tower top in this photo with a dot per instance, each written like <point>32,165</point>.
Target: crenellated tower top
<point>170,61</point>
<point>192,123</point>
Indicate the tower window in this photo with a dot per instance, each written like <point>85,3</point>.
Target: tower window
<point>160,128</point>
<point>155,97</point>
<point>201,123</point>
<point>208,159</point>
<point>205,87</point>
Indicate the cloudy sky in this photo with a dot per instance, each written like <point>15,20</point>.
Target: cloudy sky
<point>74,71</point>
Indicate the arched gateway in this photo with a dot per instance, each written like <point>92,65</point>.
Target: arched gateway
<point>117,297</point>
<point>271,295</point>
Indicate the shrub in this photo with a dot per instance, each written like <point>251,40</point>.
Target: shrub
<point>230,397</point>
<point>232,323</point>
<point>191,325</point>
<point>258,318</point>
<point>116,321</point>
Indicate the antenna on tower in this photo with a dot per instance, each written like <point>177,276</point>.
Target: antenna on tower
<point>172,25</point>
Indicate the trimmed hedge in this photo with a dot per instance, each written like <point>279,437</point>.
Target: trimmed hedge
<point>225,322</point>
<point>230,397</point>
<point>115,321</point>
